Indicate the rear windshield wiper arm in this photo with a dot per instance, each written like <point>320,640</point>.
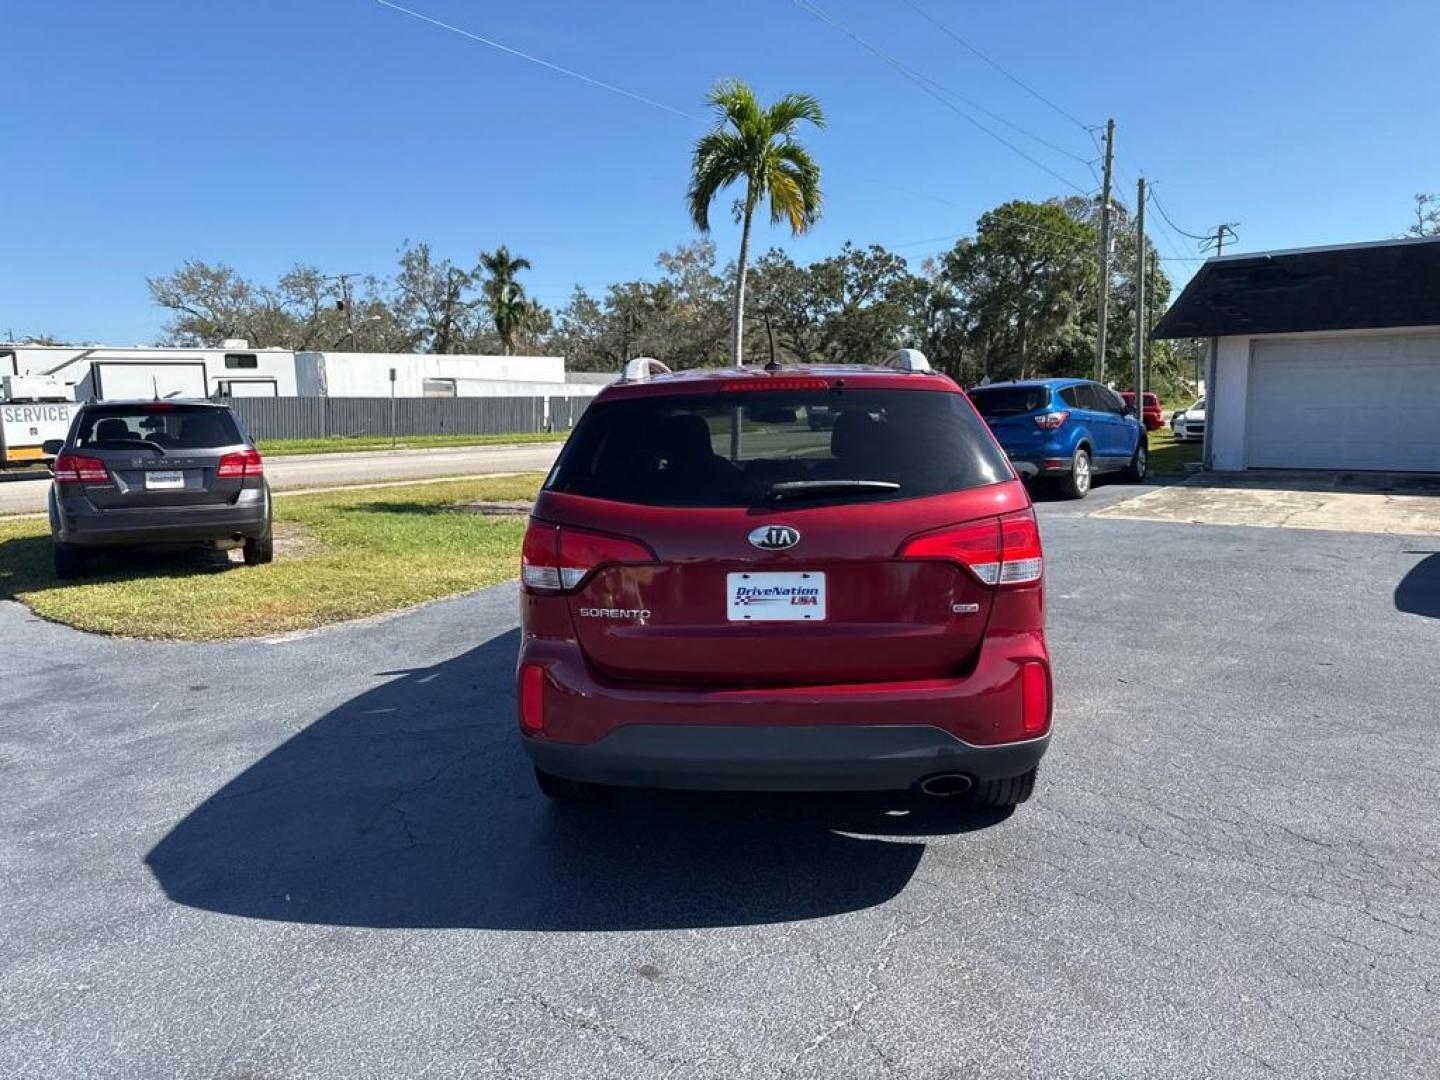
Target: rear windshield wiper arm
<point>819,489</point>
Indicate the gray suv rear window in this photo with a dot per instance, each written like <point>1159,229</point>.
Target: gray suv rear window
<point>162,424</point>
<point>688,451</point>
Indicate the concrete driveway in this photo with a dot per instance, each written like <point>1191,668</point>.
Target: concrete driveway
<point>1338,502</point>
<point>324,856</point>
<point>27,496</point>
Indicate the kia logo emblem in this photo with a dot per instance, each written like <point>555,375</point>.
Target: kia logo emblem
<point>775,537</point>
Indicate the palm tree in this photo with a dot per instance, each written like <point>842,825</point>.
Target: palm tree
<point>756,145</point>
<point>504,295</point>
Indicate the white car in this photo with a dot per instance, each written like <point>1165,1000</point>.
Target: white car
<point>1188,425</point>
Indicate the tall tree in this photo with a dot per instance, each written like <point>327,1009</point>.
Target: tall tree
<point>505,297</point>
<point>1023,278</point>
<point>434,301</point>
<point>756,145</point>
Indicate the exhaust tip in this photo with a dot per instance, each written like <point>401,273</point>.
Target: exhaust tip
<point>946,785</point>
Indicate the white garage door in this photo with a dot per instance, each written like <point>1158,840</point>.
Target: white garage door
<point>1345,403</point>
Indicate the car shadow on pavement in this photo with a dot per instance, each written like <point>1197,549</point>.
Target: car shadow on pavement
<point>413,805</point>
<point>1419,591</point>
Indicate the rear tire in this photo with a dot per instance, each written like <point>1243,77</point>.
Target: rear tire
<point>1008,791</point>
<point>1076,484</point>
<point>259,550</point>
<point>70,562</point>
<point>1139,466</point>
<point>564,790</point>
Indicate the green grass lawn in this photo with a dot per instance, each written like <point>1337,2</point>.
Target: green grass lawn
<point>339,556</point>
<point>1168,457</point>
<point>340,444</point>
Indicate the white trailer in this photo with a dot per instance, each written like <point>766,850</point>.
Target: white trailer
<point>232,370</point>
<point>32,411</point>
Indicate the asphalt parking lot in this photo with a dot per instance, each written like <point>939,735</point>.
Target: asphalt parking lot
<point>324,857</point>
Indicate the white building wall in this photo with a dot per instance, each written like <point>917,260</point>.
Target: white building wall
<point>1225,408</point>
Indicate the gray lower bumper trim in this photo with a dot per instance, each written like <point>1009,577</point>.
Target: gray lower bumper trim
<point>870,758</point>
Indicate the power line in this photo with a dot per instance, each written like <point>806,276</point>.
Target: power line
<point>1159,206</point>
<point>948,32</point>
<point>923,83</point>
<point>543,63</point>
<point>971,103</point>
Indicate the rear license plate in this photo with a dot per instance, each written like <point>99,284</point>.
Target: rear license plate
<point>775,597</point>
<point>164,480</point>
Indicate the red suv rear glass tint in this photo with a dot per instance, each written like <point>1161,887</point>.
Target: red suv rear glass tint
<point>733,449</point>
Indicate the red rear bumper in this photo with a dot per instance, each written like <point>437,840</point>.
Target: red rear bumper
<point>846,736</point>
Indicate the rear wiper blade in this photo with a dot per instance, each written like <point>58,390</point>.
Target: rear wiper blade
<point>818,489</point>
<point>137,442</point>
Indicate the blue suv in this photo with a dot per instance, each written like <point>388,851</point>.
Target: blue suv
<point>1066,429</point>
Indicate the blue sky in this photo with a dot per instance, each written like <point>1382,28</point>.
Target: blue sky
<point>268,132</point>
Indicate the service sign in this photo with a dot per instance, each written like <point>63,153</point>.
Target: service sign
<point>24,426</point>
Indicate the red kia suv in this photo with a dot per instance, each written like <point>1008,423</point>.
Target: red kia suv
<point>717,594</point>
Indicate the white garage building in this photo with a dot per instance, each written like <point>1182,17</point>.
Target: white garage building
<point>1321,358</point>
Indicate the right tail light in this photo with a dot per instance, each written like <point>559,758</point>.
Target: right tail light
<point>999,551</point>
<point>1049,421</point>
<point>236,466</point>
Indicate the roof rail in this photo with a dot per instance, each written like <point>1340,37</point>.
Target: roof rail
<point>642,368</point>
<point>912,360</point>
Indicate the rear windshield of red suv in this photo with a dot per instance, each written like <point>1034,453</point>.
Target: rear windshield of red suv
<point>853,445</point>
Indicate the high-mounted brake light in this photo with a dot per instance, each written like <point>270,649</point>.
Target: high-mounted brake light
<point>1049,421</point>
<point>75,469</point>
<point>761,382</point>
<point>245,463</point>
<point>557,558</point>
<point>999,551</point>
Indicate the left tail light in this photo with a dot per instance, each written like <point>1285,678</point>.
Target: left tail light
<point>75,469</point>
<point>237,466</point>
<point>556,558</point>
<point>999,551</point>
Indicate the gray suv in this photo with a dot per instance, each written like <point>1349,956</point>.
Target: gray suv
<point>156,472</point>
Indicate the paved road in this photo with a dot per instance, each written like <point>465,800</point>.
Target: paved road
<point>324,857</point>
<point>330,470</point>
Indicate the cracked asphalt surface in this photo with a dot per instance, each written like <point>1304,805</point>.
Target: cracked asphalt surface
<point>325,857</point>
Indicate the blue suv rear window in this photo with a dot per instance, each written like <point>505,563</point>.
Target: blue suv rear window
<point>1009,400</point>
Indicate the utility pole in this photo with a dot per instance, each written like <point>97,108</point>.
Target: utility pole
<point>1140,261</point>
<point>1216,243</point>
<point>346,306</point>
<point>1104,252</point>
